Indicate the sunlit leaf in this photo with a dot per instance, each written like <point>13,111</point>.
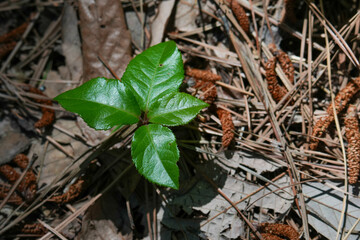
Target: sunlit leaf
<point>154,73</point>
<point>155,154</point>
<point>175,109</point>
<point>102,103</point>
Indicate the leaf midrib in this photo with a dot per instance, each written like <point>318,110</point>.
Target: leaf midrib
<point>152,81</point>
<point>102,104</point>
<point>157,154</point>
<point>161,113</point>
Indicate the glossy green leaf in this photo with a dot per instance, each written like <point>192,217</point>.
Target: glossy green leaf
<point>175,109</point>
<point>102,103</point>
<point>155,153</point>
<point>154,73</point>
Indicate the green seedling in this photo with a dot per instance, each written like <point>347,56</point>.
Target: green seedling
<point>147,95</point>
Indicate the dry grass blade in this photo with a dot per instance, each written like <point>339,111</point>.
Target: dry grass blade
<point>335,110</point>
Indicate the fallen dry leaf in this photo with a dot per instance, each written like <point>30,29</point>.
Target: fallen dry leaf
<point>104,33</point>
<point>159,24</point>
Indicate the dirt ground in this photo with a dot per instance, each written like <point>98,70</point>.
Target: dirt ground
<point>276,155</point>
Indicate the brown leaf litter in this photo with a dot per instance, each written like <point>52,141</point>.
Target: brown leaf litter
<point>9,40</point>
<point>48,115</point>
<point>285,62</point>
<point>227,126</point>
<point>204,75</point>
<point>289,13</point>
<point>240,15</point>
<point>34,228</point>
<point>27,187</point>
<point>278,230</point>
<point>276,91</point>
<point>205,82</point>
<point>341,100</point>
<point>353,138</point>
<point>74,191</point>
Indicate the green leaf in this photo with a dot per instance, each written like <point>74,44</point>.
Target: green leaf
<point>175,109</point>
<point>102,103</point>
<point>154,73</point>
<point>155,154</point>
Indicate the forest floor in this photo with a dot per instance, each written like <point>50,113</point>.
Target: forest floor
<point>268,159</point>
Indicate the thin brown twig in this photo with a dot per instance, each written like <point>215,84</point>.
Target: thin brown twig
<point>107,66</point>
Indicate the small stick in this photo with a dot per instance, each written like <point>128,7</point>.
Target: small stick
<point>109,68</point>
